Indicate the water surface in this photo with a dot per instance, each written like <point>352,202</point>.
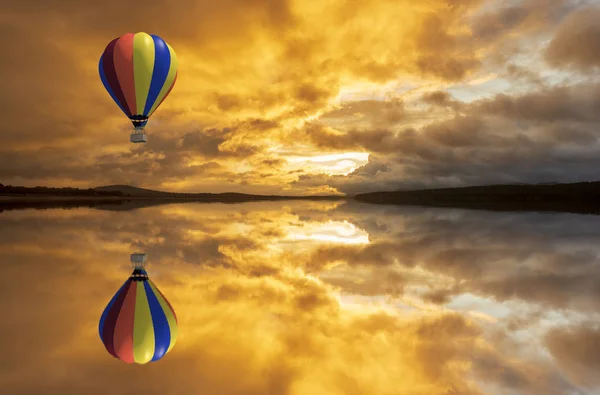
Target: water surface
<point>307,298</point>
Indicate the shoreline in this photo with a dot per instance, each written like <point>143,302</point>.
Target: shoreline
<point>16,202</point>
<point>124,203</point>
<point>580,198</point>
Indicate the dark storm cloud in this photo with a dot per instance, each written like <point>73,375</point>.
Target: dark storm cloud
<point>540,259</point>
<point>373,168</point>
<point>522,16</point>
<point>163,159</point>
<point>492,24</point>
<point>522,379</point>
<point>440,98</point>
<point>576,41</point>
<point>576,350</point>
<point>204,142</point>
<point>459,132</point>
<point>449,68</point>
<point>575,103</point>
<point>545,261</point>
<point>548,135</point>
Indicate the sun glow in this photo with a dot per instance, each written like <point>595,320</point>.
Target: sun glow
<point>330,164</point>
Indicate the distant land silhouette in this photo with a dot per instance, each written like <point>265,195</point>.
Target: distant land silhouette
<point>129,197</point>
<point>130,191</point>
<point>580,197</point>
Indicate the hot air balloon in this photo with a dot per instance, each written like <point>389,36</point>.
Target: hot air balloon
<point>138,71</point>
<point>138,325</point>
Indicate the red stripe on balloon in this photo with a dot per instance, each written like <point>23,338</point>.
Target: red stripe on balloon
<point>123,61</point>
<point>108,331</point>
<point>108,66</point>
<point>123,339</point>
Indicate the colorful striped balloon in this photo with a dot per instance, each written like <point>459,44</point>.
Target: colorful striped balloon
<point>138,325</point>
<point>138,71</point>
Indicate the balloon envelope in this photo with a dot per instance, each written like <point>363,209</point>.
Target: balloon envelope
<point>138,71</point>
<point>138,325</point>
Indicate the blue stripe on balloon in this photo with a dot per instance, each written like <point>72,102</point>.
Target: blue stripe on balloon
<point>107,85</point>
<point>162,64</point>
<point>107,310</point>
<point>162,333</point>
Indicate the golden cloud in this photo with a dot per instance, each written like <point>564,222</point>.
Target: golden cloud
<point>293,297</point>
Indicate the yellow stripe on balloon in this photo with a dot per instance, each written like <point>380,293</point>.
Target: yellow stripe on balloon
<point>143,329</point>
<point>168,313</point>
<point>143,68</point>
<point>168,82</point>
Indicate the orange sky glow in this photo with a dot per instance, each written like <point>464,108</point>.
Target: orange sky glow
<point>305,97</point>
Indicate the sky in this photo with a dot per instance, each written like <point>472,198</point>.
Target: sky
<point>301,297</point>
<point>307,97</point>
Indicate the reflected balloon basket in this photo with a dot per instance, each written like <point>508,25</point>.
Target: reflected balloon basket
<point>139,324</point>
<point>138,260</point>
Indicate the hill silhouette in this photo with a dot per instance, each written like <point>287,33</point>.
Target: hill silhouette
<point>128,190</point>
<point>121,197</point>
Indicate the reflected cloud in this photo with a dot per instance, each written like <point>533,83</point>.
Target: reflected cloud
<point>332,232</point>
<point>302,297</point>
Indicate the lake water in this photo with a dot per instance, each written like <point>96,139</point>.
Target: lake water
<point>307,298</point>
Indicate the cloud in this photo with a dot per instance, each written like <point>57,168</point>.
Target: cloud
<point>492,24</point>
<point>249,72</point>
<point>439,98</point>
<point>296,335</point>
<point>574,349</point>
<point>574,42</point>
<point>520,19</point>
<point>373,112</point>
<point>544,135</point>
<point>318,314</point>
<point>563,103</point>
<point>515,264</point>
<point>262,81</point>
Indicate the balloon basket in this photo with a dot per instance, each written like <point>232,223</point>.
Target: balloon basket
<point>138,136</point>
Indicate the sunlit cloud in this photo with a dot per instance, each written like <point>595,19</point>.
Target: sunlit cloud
<point>255,77</point>
<point>483,79</point>
<point>330,164</point>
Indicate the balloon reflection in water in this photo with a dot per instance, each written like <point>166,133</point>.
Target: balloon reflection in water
<point>138,325</point>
